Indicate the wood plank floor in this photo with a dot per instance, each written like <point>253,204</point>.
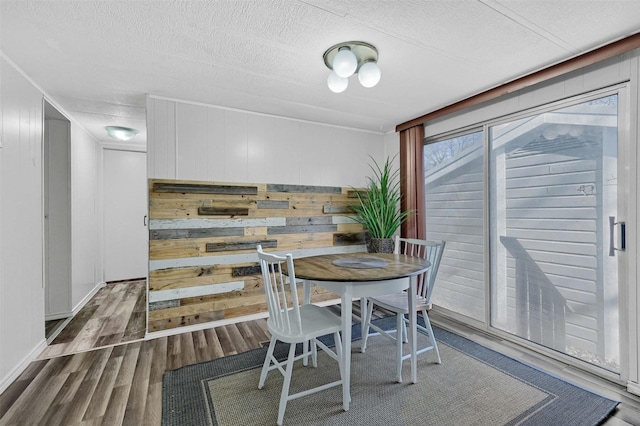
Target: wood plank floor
<point>122,384</point>
<point>116,314</point>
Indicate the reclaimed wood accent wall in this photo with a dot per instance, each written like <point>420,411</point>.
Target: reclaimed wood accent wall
<point>203,264</point>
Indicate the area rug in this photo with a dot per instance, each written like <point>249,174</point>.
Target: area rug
<point>473,386</point>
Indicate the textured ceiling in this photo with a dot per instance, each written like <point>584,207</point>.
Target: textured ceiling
<point>98,59</point>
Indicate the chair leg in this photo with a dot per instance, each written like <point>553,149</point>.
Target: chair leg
<point>284,395</point>
<point>305,350</point>
<point>338,342</point>
<point>314,353</point>
<point>365,326</point>
<point>427,324</point>
<point>405,336</point>
<point>399,327</point>
<point>267,363</point>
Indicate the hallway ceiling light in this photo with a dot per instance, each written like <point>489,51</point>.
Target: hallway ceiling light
<point>348,58</point>
<point>121,133</point>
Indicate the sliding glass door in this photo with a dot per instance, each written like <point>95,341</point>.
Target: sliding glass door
<point>532,210</point>
<point>554,229</point>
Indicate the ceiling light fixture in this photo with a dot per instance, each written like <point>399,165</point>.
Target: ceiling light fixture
<point>348,58</point>
<point>121,133</point>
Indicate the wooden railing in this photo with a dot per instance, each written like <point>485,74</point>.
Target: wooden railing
<point>540,308</point>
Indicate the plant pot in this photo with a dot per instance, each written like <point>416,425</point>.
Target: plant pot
<point>380,245</point>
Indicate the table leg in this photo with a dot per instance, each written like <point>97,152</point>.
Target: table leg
<point>363,318</point>
<point>347,309</point>
<point>306,285</point>
<point>413,323</point>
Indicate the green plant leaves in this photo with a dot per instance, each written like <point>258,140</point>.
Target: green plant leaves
<point>378,210</point>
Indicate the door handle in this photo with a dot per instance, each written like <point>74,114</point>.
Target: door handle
<point>617,240</point>
<point>144,220</point>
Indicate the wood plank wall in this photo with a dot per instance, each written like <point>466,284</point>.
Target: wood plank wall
<point>202,243</point>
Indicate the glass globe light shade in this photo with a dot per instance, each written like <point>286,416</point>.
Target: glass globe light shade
<point>345,63</point>
<point>121,133</point>
<point>369,74</point>
<point>336,83</point>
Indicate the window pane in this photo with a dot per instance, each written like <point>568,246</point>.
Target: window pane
<point>454,210</point>
<point>553,199</point>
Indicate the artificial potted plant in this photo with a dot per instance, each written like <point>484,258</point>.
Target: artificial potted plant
<point>378,209</point>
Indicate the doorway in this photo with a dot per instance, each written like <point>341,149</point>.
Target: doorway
<point>57,218</point>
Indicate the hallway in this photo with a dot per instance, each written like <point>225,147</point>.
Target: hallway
<point>116,314</point>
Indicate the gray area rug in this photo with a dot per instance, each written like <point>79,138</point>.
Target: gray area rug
<point>473,386</point>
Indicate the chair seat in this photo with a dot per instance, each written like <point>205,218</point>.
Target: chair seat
<point>316,321</point>
<point>398,302</point>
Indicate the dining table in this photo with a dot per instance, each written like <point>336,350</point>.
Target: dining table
<point>362,275</point>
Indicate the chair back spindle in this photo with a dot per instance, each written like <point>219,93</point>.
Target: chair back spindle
<point>276,283</point>
<point>430,250</point>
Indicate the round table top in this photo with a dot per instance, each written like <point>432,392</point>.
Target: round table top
<point>358,267</point>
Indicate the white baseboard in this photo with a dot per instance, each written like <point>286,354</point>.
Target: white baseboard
<point>58,330</point>
<point>18,369</point>
<point>633,387</point>
<point>88,297</point>
<point>58,316</point>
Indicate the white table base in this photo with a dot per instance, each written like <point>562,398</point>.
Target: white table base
<point>350,290</point>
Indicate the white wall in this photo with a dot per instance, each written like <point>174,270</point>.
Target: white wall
<point>188,141</point>
<point>21,220</point>
<point>392,147</point>
<point>86,262</point>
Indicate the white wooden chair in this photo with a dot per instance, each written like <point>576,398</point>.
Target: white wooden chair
<point>398,303</point>
<point>292,323</point>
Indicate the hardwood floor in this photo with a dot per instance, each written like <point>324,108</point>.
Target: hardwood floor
<point>122,383</point>
<point>99,371</point>
<point>116,314</point>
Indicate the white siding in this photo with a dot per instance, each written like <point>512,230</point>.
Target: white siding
<point>561,230</point>
<point>455,215</point>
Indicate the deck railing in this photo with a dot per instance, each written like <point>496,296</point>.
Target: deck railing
<point>540,308</point>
